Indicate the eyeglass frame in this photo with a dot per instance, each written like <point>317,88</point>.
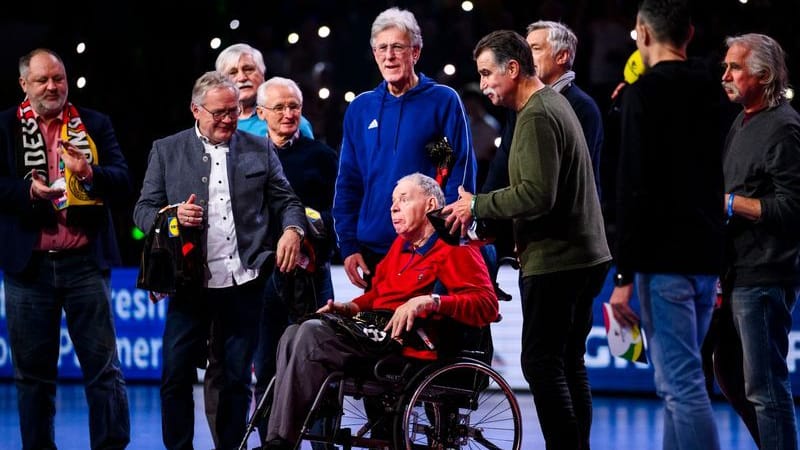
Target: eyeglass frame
<point>396,48</point>
<point>219,115</point>
<point>292,107</point>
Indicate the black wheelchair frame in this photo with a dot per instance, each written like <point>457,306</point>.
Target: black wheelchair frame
<point>456,402</point>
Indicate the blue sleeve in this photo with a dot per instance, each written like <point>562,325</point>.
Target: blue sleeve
<point>348,195</point>
<point>457,130</point>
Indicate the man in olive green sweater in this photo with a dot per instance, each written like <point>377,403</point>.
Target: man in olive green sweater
<point>558,231</point>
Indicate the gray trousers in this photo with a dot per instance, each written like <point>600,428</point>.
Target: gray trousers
<point>307,354</point>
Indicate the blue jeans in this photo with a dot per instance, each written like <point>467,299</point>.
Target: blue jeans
<point>676,313</point>
<point>70,282</point>
<point>762,316</point>
<point>234,312</point>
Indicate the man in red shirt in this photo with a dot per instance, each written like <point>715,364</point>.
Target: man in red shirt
<point>404,282</point>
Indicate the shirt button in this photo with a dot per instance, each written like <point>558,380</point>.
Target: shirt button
<point>204,179</point>
<point>205,158</point>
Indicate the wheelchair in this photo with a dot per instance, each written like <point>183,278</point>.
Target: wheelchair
<point>458,401</point>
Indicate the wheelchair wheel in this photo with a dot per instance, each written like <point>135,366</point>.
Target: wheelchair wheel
<point>461,404</point>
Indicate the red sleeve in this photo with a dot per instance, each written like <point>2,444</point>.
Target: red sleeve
<point>471,298</point>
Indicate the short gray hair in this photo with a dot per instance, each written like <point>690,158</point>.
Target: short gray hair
<point>428,185</point>
<point>401,19</point>
<point>208,81</point>
<point>25,60</point>
<point>559,36</point>
<point>767,61</point>
<point>230,56</point>
<point>277,81</point>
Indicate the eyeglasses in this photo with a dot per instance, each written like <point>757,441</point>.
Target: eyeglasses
<point>281,108</point>
<point>233,113</point>
<point>394,48</point>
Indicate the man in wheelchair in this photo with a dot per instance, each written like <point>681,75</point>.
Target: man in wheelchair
<point>404,283</point>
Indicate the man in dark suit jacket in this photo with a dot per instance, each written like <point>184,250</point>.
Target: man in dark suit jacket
<point>59,167</point>
<point>229,187</point>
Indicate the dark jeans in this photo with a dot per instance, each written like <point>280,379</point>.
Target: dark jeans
<point>70,281</point>
<point>235,313</point>
<point>557,318</point>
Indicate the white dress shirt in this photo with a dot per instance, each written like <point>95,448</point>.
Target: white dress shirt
<point>223,252</point>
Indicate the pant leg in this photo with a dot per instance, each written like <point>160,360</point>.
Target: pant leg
<point>33,314</point>
<point>185,348</point>
<point>549,303</point>
<point>676,312</point>
<point>575,367</point>
<point>212,379</point>
<point>237,312</point>
<point>307,354</point>
<point>763,318</point>
<point>729,367</point>
<point>274,320</point>
<point>87,297</point>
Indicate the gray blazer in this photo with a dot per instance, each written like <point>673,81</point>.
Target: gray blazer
<point>178,166</point>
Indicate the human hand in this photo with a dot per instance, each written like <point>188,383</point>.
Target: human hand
<point>352,264</point>
<point>403,318</point>
<point>189,214</point>
<point>344,309</point>
<point>76,161</point>
<point>40,189</point>
<point>288,250</point>
<point>459,213</point>
<point>620,305</point>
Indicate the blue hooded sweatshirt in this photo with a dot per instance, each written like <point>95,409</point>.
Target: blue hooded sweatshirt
<point>384,139</point>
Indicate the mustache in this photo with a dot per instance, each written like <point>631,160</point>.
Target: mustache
<point>730,87</point>
<point>488,91</point>
<point>244,84</point>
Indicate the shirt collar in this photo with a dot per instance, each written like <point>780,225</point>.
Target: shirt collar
<point>207,143</point>
<point>289,142</point>
<point>425,248</point>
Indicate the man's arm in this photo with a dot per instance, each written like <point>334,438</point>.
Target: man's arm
<point>457,130</point>
<point>348,196</point>
<point>153,195</point>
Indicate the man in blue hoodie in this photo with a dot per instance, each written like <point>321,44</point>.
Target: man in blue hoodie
<point>386,132</point>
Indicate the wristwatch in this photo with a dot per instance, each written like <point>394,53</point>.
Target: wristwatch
<point>437,301</point>
<point>622,279</point>
<point>297,230</point>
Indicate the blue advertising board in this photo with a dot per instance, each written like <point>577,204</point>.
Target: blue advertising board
<point>140,324</point>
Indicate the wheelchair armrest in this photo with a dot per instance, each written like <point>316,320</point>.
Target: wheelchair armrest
<point>392,368</point>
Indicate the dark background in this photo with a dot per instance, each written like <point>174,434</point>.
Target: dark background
<point>142,57</point>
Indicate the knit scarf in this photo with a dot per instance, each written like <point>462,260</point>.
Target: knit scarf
<point>32,151</point>
<point>32,156</point>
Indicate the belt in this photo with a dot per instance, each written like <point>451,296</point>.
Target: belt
<point>63,253</point>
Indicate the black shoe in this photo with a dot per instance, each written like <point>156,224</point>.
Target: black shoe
<point>502,295</point>
<point>513,262</point>
<point>278,444</point>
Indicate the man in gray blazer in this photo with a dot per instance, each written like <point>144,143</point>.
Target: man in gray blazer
<point>229,186</point>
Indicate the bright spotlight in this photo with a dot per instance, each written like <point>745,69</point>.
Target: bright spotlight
<point>497,141</point>
<point>323,32</point>
<point>215,43</point>
<point>789,93</point>
<point>744,2</point>
<point>81,47</point>
<point>81,82</point>
<point>467,6</point>
<point>349,96</point>
<point>449,69</point>
<point>633,34</point>
<point>324,93</point>
<point>293,38</point>
<point>234,24</point>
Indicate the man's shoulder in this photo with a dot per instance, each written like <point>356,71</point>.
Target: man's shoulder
<point>577,97</point>
<point>313,145</point>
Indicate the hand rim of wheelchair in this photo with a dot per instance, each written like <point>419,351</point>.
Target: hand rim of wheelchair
<point>468,432</point>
